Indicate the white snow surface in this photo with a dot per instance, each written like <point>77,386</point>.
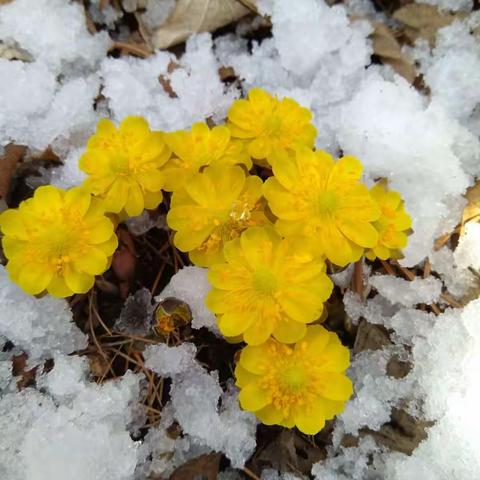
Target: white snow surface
<point>41,327</point>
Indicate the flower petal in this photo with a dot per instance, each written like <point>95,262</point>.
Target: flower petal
<point>335,386</point>
<point>252,397</point>
<point>232,324</point>
<point>269,415</point>
<point>35,277</point>
<point>58,288</point>
<point>78,282</point>
<point>11,224</point>
<point>243,377</point>
<point>361,233</point>
<point>310,420</point>
<point>289,331</point>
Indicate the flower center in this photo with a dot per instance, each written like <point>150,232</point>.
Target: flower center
<point>293,378</point>
<point>264,281</point>
<point>327,202</point>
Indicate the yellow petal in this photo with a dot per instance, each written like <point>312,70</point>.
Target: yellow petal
<point>229,277</point>
<point>78,282</point>
<point>258,245</point>
<point>48,196</point>
<point>252,397</point>
<point>152,199</point>
<point>255,358</point>
<point>11,224</point>
<point>108,247</point>
<point>215,301</point>
<point>101,229</point>
<point>117,196</point>
<point>93,262</point>
<point>310,420</point>
<point>232,324</point>
<point>335,386</point>
<point>347,170</point>
<point>78,200</point>
<point>361,233</point>
<point>134,205</point>
<point>335,358</point>
<point>34,278</point>
<point>152,180</point>
<point>300,304</point>
<point>269,415</point>
<point>315,340</point>
<point>243,377</point>
<point>58,288</point>
<point>259,330</point>
<point>289,331</point>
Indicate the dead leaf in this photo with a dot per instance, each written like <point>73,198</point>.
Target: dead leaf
<point>288,452</point>
<point>193,16</point>
<point>27,377</point>
<point>124,261</point>
<point>203,467</point>
<point>423,21</point>
<point>402,434</point>
<point>387,47</point>
<point>10,52</point>
<point>8,162</point>
<point>370,337</point>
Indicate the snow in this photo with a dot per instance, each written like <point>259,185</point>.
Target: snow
<point>190,284</point>
<point>407,293</point>
<point>226,428</point>
<point>40,327</point>
<point>76,429</point>
<point>406,141</point>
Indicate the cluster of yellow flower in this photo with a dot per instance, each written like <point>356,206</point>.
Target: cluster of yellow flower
<point>265,243</point>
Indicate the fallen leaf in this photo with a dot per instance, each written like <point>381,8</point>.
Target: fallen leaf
<point>370,337</point>
<point>423,21</point>
<point>8,162</point>
<point>387,47</point>
<point>124,261</point>
<point>10,52</point>
<point>193,16</point>
<point>287,452</point>
<point>402,434</point>
<point>203,467</point>
<point>27,377</point>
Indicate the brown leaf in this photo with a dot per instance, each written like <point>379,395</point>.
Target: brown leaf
<point>387,47</point>
<point>203,467</point>
<point>402,434</point>
<point>125,258</point>
<point>471,212</point>
<point>193,16</point>
<point>423,21</point>
<point>288,452</point>
<point>8,161</point>
<point>370,337</point>
<point>27,377</point>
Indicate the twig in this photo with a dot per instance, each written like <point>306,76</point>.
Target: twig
<point>157,279</point>
<point>357,278</point>
<point>408,274</point>
<point>451,301</point>
<point>250,474</point>
<point>388,268</point>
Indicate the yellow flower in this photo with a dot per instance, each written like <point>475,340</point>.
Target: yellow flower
<point>199,147</point>
<point>323,201</point>
<point>392,226</point>
<point>124,165</point>
<point>267,286</point>
<point>298,385</point>
<point>215,206</point>
<point>268,124</point>
<point>57,241</point>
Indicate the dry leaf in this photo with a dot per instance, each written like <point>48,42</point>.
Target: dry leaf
<point>472,210</point>
<point>193,16</point>
<point>8,161</point>
<point>203,467</point>
<point>386,46</point>
<point>10,52</point>
<point>423,21</point>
